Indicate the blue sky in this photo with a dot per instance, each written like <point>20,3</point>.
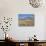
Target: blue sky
<point>25,16</point>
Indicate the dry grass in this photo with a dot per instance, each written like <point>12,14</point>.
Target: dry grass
<point>26,23</point>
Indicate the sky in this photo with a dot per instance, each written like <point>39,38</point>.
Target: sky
<point>26,16</point>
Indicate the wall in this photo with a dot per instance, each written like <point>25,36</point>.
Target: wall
<point>11,8</point>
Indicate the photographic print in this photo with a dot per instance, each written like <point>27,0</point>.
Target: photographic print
<point>26,20</point>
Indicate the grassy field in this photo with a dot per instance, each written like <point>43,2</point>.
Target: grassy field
<point>26,23</point>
